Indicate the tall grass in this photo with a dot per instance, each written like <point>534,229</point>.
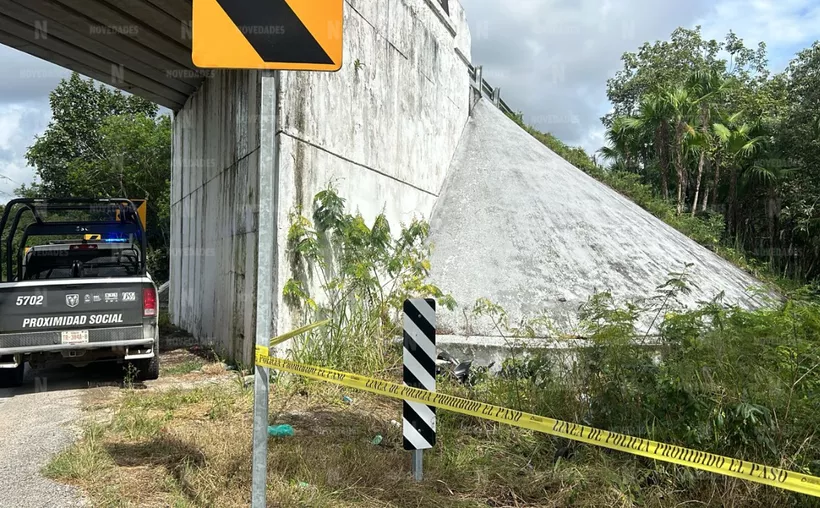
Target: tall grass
<point>719,379</point>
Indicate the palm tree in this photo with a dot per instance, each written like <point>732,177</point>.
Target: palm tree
<point>699,144</point>
<point>681,108</point>
<point>652,123</point>
<point>614,155</point>
<point>706,87</point>
<point>622,145</point>
<point>738,141</point>
<point>769,171</point>
<point>715,158</point>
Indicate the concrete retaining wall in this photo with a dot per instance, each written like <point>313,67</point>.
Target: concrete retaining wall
<point>214,219</point>
<point>520,226</point>
<point>384,128</point>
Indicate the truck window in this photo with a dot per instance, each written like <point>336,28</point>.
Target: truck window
<point>66,264</point>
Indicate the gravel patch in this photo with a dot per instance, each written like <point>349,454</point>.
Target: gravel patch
<point>38,420</point>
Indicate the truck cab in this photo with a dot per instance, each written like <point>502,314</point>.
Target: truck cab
<point>68,299</point>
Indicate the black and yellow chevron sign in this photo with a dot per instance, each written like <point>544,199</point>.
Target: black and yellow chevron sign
<point>268,34</point>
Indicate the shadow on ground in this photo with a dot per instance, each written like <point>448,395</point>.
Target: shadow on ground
<point>69,378</point>
<point>167,453</point>
<point>175,345</point>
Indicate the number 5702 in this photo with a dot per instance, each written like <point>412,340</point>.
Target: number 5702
<point>30,300</point>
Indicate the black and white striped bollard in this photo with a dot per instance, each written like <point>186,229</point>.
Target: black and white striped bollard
<point>419,355</point>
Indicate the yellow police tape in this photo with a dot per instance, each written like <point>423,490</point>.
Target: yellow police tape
<point>767,475</point>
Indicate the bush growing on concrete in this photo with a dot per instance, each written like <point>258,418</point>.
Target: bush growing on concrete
<point>358,277</point>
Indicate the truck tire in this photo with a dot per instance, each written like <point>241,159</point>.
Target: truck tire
<point>147,369</point>
<point>11,378</point>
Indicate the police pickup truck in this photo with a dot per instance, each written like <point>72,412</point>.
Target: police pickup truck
<point>75,289</point>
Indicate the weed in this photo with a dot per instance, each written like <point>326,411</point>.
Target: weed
<point>165,321</point>
<point>717,379</point>
<point>130,372</point>
<point>81,462</point>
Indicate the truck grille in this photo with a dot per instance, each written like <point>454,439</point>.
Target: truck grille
<point>30,339</point>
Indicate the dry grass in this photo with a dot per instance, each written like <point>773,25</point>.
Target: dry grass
<point>186,447</point>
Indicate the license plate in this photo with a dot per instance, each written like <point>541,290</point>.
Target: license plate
<point>75,337</point>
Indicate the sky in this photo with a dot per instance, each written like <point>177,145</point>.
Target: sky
<point>551,59</point>
<point>24,112</point>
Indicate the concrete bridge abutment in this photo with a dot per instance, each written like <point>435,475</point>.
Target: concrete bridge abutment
<point>383,129</point>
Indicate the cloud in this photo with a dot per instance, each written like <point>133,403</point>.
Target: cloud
<point>781,22</point>
<point>27,78</point>
<point>552,58</point>
<point>786,26</point>
<point>19,124</point>
<point>24,113</point>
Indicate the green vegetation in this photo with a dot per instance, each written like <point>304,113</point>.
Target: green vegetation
<point>717,379</point>
<point>187,448</point>
<point>719,148</point>
<point>361,275</point>
<point>103,143</point>
<point>183,368</point>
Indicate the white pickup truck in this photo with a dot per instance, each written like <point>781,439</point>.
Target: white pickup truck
<point>72,300</point>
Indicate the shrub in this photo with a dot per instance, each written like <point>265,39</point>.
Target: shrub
<point>362,276</point>
<point>720,379</point>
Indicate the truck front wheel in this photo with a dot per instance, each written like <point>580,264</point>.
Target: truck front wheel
<point>10,378</point>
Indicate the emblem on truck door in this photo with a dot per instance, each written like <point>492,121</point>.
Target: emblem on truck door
<point>72,300</point>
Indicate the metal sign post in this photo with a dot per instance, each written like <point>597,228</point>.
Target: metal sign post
<point>306,36</point>
<point>268,167</point>
<point>419,355</point>
<point>417,467</point>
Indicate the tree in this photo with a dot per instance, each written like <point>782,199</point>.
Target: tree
<point>681,108</point>
<point>770,172</point>
<point>623,144</point>
<point>739,140</point>
<point>801,130</point>
<point>103,143</point>
<point>744,142</point>
<point>78,109</point>
<point>707,87</point>
<point>652,121</point>
<point>660,67</point>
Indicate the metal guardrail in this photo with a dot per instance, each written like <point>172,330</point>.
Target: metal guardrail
<point>485,89</point>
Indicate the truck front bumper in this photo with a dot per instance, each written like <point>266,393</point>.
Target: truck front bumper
<point>38,342</point>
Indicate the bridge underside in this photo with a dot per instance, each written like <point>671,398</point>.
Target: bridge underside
<point>140,46</point>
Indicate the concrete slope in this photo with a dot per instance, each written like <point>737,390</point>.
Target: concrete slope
<point>519,225</point>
